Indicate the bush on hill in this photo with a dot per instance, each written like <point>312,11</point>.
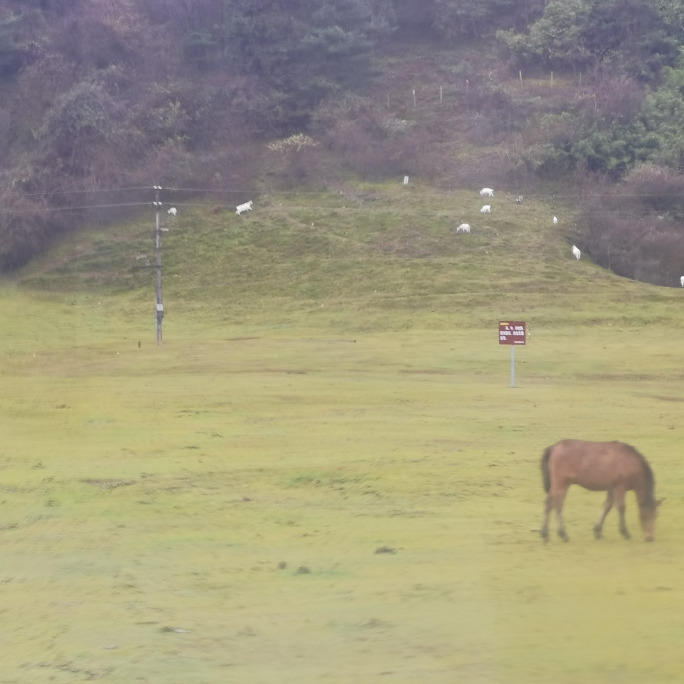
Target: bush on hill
<point>634,227</point>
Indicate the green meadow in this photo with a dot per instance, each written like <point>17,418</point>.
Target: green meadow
<point>324,474</point>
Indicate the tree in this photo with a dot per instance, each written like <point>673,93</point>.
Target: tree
<point>302,56</point>
<point>662,114</point>
<point>415,14</point>
<point>614,149</point>
<point>454,18</point>
<point>630,37</point>
<point>555,39</point>
<point>76,129</point>
<point>10,52</point>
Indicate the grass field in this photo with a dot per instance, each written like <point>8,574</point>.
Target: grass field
<point>323,474</point>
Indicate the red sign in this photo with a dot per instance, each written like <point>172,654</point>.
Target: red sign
<point>511,332</point>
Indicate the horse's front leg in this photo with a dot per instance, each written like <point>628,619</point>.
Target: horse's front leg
<point>623,528</point>
<point>598,528</point>
<point>620,505</point>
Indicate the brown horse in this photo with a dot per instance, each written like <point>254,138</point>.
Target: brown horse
<point>614,467</point>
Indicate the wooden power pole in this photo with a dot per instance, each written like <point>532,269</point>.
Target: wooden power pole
<point>159,305</point>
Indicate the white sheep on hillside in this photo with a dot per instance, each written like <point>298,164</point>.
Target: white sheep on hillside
<point>486,192</point>
<point>486,209</point>
<point>463,228</point>
<point>247,206</point>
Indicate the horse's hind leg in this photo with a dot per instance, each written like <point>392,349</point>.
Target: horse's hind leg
<point>598,527</point>
<point>559,518</point>
<point>557,500</point>
<point>548,505</point>
<point>554,501</point>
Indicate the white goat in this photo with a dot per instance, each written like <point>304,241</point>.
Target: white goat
<point>173,211</point>
<point>681,280</point>
<point>576,252</point>
<point>486,192</point>
<point>463,228</point>
<point>486,209</point>
<point>555,219</point>
<point>247,206</point>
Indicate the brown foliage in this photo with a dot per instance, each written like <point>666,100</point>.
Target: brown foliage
<point>617,99</point>
<point>636,228</point>
<point>23,230</point>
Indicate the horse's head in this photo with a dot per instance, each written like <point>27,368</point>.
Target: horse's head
<point>648,512</point>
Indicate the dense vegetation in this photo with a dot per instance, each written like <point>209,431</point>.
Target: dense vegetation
<point>240,95</point>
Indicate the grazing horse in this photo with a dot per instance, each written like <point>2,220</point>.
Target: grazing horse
<point>613,467</point>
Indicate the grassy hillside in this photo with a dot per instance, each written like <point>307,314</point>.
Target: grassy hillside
<point>365,248</point>
<point>323,473</point>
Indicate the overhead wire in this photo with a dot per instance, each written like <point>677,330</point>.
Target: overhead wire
<point>170,190</point>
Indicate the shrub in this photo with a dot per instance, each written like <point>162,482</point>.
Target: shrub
<point>23,231</point>
<point>657,189</point>
<point>634,228</point>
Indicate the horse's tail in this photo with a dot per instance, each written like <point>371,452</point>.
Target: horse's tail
<point>546,475</point>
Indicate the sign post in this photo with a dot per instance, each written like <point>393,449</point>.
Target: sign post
<point>512,333</point>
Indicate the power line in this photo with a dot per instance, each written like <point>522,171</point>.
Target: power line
<point>74,208</point>
<point>45,207</point>
<point>54,193</point>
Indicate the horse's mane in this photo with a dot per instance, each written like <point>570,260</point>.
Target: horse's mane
<point>649,480</point>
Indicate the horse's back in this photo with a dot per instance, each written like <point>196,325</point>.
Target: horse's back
<point>593,465</point>
<point>580,448</point>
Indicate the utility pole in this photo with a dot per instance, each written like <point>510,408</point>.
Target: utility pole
<point>159,306</point>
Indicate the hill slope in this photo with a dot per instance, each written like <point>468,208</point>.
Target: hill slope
<point>367,255</point>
